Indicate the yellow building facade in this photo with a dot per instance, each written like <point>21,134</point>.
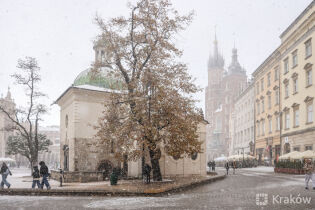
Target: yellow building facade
<point>267,109</point>
<point>284,93</point>
<point>297,83</point>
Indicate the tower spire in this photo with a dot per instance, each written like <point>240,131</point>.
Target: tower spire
<point>216,59</point>
<point>215,43</point>
<point>8,97</point>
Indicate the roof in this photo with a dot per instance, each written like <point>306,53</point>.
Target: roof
<point>297,19</point>
<point>90,88</point>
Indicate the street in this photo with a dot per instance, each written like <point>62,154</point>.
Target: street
<point>234,192</point>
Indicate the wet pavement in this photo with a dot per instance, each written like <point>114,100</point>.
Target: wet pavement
<point>256,188</point>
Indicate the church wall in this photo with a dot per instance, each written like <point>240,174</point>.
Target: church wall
<point>67,129</point>
<point>134,169</point>
<point>186,166</point>
<point>89,151</point>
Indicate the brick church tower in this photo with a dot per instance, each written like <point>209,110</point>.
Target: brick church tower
<point>223,87</point>
<point>9,104</point>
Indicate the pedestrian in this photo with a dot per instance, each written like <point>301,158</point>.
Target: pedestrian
<point>213,166</point>
<point>227,168</point>
<point>61,176</point>
<point>147,172</point>
<point>36,177</point>
<point>234,166</point>
<point>44,174</point>
<point>308,167</point>
<point>5,171</point>
<point>209,165</point>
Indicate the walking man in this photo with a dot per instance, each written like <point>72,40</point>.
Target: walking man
<point>227,168</point>
<point>308,167</point>
<point>44,173</point>
<point>147,172</point>
<point>5,171</point>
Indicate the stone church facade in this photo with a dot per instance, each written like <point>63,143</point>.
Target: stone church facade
<point>9,104</point>
<point>222,89</point>
<point>83,157</point>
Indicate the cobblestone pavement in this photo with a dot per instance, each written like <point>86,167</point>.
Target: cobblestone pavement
<point>237,191</point>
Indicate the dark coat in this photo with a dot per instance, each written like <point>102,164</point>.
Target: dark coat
<point>36,173</point>
<point>147,169</point>
<point>227,165</point>
<point>43,170</point>
<point>3,169</point>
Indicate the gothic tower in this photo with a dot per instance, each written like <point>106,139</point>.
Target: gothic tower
<point>223,87</point>
<point>8,103</point>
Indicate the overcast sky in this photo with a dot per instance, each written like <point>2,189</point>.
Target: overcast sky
<point>59,35</point>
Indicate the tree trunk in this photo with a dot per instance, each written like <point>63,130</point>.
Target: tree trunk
<point>33,162</point>
<point>157,176</point>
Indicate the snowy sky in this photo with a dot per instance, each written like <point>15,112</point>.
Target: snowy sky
<point>59,34</point>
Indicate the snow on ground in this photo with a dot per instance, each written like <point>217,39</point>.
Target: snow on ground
<point>132,202</point>
<point>260,169</point>
<point>284,183</point>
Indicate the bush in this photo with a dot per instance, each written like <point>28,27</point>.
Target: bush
<point>289,164</point>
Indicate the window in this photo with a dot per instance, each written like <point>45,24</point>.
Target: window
<point>294,59</point>
<point>276,73</point>
<point>287,120</point>
<point>296,148</point>
<point>295,85</point>
<point>67,121</point>
<point>270,124</point>
<point>263,127</point>
<point>310,113</point>
<point>296,118</point>
<point>269,79</point>
<point>102,56</point>
<point>262,106</point>
<point>262,84</point>
<point>277,96</point>
<point>308,48</point>
<point>308,147</point>
<point>269,102</point>
<point>286,65</point>
<point>286,90</point>
<point>111,146</point>
<point>278,122</point>
<point>258,107</point>
<point>308,77</point>
<point>194,155</point>
<point>257,87</point>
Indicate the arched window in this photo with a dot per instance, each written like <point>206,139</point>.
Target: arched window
<point>66,121</point>
<point>194,155</point>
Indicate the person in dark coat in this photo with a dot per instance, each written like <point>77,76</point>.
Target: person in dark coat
<point>45,174</point>
<point>147,172</point>
<point>227,168</point>
<point>36,177</point>
<point>5,171</point>
<point>213,166</point>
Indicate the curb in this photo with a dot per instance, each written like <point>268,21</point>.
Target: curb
<point>98,192</point>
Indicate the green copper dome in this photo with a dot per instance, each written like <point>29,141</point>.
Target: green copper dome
<point>101,79</point>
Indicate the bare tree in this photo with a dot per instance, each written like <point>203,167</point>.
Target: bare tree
<point>156,110</point>
<point>25,121</point>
